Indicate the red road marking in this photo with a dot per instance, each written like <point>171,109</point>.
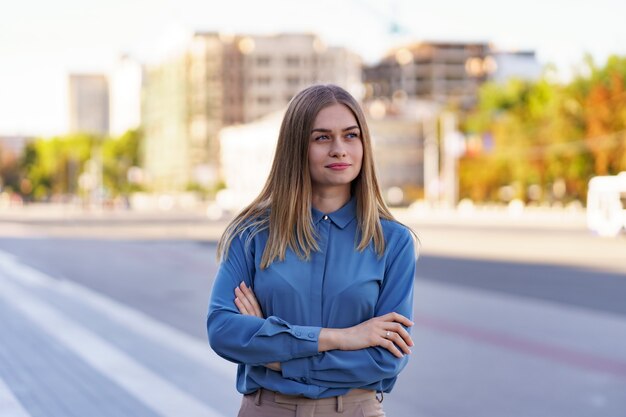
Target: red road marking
<point>530,347</point>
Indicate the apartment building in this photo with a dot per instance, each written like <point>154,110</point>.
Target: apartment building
<point>444,72</point>
<point>216,81</point>
<point>88,101</point>
<point>276,67</point>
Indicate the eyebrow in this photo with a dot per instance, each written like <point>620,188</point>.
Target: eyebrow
<point>328,130</point>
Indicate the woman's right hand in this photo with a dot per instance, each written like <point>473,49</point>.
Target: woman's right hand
<point>386,331</point>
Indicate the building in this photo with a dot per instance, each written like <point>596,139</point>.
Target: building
<point>125,95</point>
<point>88,103</point>
<point>444,72</point>
<point>13,146</point>
<point>11,151</point>
<point>404,137</point>
<point>276,67</point>
<point>515,64</point>
<point>246,155</point>
<point>214,81</point>
<point>398,146</point>
<point>184,100</point>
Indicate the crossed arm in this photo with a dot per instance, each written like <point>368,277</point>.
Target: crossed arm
<point>386,331</point>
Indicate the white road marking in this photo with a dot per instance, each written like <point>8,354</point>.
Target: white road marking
<point>163,397</point>
<point>139,322</point>
<point>9,405</point>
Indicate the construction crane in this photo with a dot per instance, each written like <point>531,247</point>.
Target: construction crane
<point>389,14</point>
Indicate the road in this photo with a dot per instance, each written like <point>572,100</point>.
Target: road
<point>510,320</point>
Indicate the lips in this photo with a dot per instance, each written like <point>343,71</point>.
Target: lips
<point>338,165</point>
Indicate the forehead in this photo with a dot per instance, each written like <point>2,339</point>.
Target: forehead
<point>334,116</point>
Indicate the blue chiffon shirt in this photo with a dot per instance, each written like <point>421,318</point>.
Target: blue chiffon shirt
<point>338,287</point>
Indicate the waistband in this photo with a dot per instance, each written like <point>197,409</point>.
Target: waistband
<point>352,396</point>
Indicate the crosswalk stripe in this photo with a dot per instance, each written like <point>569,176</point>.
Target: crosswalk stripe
<point>9,405</point>
<point>148,387</point>
<point>140,323</point>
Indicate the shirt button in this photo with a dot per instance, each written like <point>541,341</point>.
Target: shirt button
<point>311,335</point>
<point>298,333</point>
<point>325,217</point>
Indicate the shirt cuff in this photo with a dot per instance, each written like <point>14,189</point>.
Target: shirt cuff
<point>296,369</point>
<point>309,334</point>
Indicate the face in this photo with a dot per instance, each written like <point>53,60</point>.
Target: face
<point>335,148</point>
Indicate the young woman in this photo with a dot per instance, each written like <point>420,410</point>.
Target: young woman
<point>313,296</point>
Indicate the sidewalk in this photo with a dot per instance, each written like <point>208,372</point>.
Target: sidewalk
<point>68,351</point>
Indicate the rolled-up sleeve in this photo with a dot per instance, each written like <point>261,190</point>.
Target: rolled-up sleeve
<point>247,339</point>
<point>368,366</point>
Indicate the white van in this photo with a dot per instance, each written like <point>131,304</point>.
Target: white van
<point>606,204</point>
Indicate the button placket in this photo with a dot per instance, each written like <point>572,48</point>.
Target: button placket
<point>317,270</point>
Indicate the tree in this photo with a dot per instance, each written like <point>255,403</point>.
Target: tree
<point>545,133</point>
<point>53,167</point>
<point>119,155</point>
<point>602,97</point>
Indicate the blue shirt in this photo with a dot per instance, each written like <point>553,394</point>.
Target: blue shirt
<point>337,287</point>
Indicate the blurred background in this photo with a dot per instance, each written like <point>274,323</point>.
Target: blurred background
<point>132,132</point>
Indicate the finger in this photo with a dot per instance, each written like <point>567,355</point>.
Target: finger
<point>241,307</point>
<point>399,318</point>
<point>399,342</point>
<point>391,347</point>
<point>401,331</point>
<point>245,301</point>
<point>252,298</point>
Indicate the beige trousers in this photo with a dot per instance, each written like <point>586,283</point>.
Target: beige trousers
<point>265,403</point>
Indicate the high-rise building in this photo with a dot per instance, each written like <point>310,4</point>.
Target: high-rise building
<point>276,67</point>
<point>125,95</point>
<point>515,64</point>
<point>444,72</point>
<point>185,100</point>
<point>216,81</point>
<point>88,103</point>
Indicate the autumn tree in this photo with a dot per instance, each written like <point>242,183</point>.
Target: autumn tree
<point>547,133</point>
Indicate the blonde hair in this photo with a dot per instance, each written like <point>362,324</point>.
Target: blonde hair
<point>284,205</point>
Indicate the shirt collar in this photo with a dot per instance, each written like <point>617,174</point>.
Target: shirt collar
<point>341,217</point>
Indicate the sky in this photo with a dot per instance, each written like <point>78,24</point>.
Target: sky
<point>41,41</point>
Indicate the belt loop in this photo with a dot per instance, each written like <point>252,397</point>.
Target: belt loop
<point>340,404</point>
<point>257,397</point>
<point>382,397</point>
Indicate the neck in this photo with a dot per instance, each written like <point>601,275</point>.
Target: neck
<point>329,200</point>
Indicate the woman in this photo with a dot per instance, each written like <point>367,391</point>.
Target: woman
<point>313,296</point>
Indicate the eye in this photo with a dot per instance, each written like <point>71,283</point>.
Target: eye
<point>322,137</point>
<point>352,135</point>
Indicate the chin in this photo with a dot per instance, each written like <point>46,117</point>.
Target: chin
<point>340,182</point>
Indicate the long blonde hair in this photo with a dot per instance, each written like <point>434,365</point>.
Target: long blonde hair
<point>284,205</point>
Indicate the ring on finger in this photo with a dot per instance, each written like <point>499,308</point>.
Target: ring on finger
<point>387,334</point>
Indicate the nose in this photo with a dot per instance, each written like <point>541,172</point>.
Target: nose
<point>337,149</point>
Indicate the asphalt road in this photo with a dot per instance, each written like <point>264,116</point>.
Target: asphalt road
<point>505,327</point>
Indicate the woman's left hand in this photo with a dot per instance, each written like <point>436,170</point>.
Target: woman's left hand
<point>247,304</point>
<point>246,301</point>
